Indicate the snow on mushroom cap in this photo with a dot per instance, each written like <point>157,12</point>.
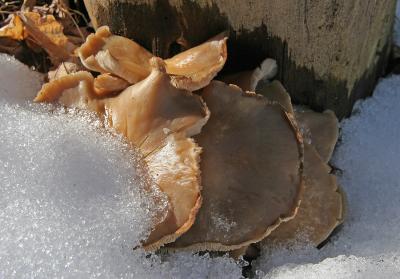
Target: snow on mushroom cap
<point>158,119</point>
<point>251,174</point>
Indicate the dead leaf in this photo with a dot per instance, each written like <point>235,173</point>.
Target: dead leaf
<point>14,29</point>
<point>47,33</point>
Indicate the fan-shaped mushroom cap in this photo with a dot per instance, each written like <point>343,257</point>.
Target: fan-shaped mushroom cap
<point>323,129</point>
<point>56,89</point>
<point>157,118</point>
<point>106,84</point>
<point>175,168</point>
<point>322,205</point>
<point>248,80</point>
<point>251,171</point>
<point>193,69</point>
<point>106,53</point>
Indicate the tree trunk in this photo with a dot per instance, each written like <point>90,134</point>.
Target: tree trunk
<point>329,52</point>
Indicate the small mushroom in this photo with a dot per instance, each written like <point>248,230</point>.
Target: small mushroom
<point>107,84</point>
<point>248,80</point>
<point>158,119</point>
<point>251,171</point>
<point>79,82</point>
<point>93,44</point>
<point>194,68</point>
<point>107,53</point>
<point>323,129</point>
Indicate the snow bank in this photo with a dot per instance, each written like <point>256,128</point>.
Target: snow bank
<point>72,203</point>
<point>368,246</point>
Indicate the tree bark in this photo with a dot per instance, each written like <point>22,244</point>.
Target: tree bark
<point>329,52</point>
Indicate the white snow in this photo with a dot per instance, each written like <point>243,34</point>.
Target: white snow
<point>368,246</point>
<point>72,198</point>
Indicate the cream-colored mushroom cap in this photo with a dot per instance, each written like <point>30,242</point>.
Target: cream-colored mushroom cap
<point>195,68</point>
<point>107,53</point>
<point>251,171</point>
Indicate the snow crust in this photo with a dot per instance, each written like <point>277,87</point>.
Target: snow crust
<point>368,245</point>
<point>73,202</point>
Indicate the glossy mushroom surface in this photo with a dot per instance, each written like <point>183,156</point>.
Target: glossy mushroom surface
<point>251,171</point>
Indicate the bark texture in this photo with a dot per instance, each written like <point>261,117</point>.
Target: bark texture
<point>329,52</point>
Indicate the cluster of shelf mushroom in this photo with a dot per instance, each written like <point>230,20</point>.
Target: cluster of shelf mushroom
<point>237,164</point>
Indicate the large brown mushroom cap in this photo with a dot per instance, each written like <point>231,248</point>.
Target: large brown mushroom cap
<point>251,171</point>
<point>158,119</point>
<point>322,205</point>
<point>195,68</point>
<point>321,209</point>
